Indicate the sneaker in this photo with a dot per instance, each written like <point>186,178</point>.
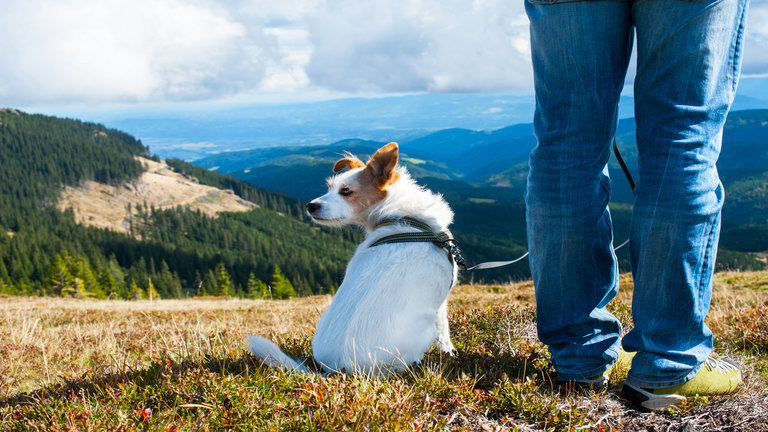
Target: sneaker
<point>716,377</point>
<point>600,382</point>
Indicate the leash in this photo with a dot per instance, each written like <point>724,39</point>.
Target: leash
<point>442,239</point>
<point>445,240</point>
<point>623,165</point>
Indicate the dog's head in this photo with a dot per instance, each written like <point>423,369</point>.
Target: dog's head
<point>354,192</point>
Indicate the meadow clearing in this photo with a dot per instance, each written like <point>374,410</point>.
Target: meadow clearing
<point>181,365</point>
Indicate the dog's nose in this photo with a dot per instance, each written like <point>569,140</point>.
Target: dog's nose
<point>313,207</point>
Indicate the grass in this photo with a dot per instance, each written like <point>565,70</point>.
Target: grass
<point>181,365</point>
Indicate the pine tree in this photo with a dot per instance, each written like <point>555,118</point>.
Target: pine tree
<point>281,287</point>
<point>117,274</point>
<point>3,272</point>
<point>167,282</point>
<point>60,281</point>
<point>151,292</point>
<point>255,288</point>
<point>6,288</point>
<point>223,281</point>
<point>135,292</point>
<point>107,280</point>
<point>76,289</point>
<point>82,270</point>
<point>209,284</point>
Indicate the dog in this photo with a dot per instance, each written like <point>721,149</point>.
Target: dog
<point>392,304</point>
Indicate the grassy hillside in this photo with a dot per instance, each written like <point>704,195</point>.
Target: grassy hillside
<point>181,365</point>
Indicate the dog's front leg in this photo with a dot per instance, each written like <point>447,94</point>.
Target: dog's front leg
<point>444,343</point>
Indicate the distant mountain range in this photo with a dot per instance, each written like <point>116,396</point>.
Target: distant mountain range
<point>483,175</point>
<point>192,131</point>
<point>498,160</point>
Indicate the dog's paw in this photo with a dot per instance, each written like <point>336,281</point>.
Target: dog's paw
<point>446,347</point>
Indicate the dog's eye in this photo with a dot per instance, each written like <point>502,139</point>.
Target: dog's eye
<point>345,191</point>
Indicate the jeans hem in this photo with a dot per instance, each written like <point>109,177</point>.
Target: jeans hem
<point>590,374</point>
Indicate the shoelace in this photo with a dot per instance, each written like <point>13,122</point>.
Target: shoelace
<point>719,365</point>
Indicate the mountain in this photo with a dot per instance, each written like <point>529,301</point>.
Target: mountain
<point>192,131</point>
<point>63,179</point>
<point>483,174</point>
<point>191,134</point>
<point>40,153</point>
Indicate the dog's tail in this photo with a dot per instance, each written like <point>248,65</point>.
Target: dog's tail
<point>272,355</point>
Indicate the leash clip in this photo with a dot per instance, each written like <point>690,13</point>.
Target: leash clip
<point>453,249</point>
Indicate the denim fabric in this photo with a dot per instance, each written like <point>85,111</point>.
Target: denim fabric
<point>688,67</point>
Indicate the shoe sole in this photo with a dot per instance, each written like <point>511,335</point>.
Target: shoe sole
<point>647,401</point>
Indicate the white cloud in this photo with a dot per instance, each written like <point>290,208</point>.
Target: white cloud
<point>125,50</point>
<point>755,60</point>
<point>426,45</point>
<point>286,73</point>
<point>158,51</point>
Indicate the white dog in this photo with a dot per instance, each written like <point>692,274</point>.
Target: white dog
<point>392,304</point>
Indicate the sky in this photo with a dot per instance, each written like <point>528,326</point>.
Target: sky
<point>100,53</point>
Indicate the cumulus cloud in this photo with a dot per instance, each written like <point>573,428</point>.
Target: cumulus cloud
<point>756,40</point>
<point>428,45</point>
<point>178,50</point>
<point>126,50</point>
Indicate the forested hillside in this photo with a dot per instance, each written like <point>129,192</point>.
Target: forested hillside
<point>41,153</point>
<point>269,251</point>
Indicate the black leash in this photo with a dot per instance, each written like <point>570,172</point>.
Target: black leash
<point>623,165</point>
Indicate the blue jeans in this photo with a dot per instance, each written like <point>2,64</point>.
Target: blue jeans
<point>688,66</point>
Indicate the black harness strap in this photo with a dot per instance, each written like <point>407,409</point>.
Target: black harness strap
<point>442,239</point>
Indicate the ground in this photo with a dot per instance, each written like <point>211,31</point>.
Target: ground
<point>177,365</point>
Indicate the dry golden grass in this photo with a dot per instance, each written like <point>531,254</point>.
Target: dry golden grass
<point>45,339</point>
<point>49,342</point>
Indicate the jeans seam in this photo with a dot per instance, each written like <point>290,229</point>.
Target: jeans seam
<point>735,57</point>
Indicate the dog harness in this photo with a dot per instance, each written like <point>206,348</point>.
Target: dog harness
<point>442,239</point>
<point>445,240</point>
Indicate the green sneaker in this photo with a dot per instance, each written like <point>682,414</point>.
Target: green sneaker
<point>716,377</point>
<point>600,382</point>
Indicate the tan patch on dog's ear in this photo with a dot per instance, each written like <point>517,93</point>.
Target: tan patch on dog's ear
<point>366,192</point>
<point>382,165</point>
<point>347,162</point>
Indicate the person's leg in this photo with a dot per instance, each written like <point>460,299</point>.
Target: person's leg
<point>580,55</point>
<point>688,67</point>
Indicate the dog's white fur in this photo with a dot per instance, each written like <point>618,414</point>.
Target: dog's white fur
<point>392,305</point>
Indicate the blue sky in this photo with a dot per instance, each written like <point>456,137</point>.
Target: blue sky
<point>139,54</point>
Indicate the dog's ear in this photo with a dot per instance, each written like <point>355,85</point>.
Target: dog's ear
<point>349,161</point>
<point>382,165</point>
